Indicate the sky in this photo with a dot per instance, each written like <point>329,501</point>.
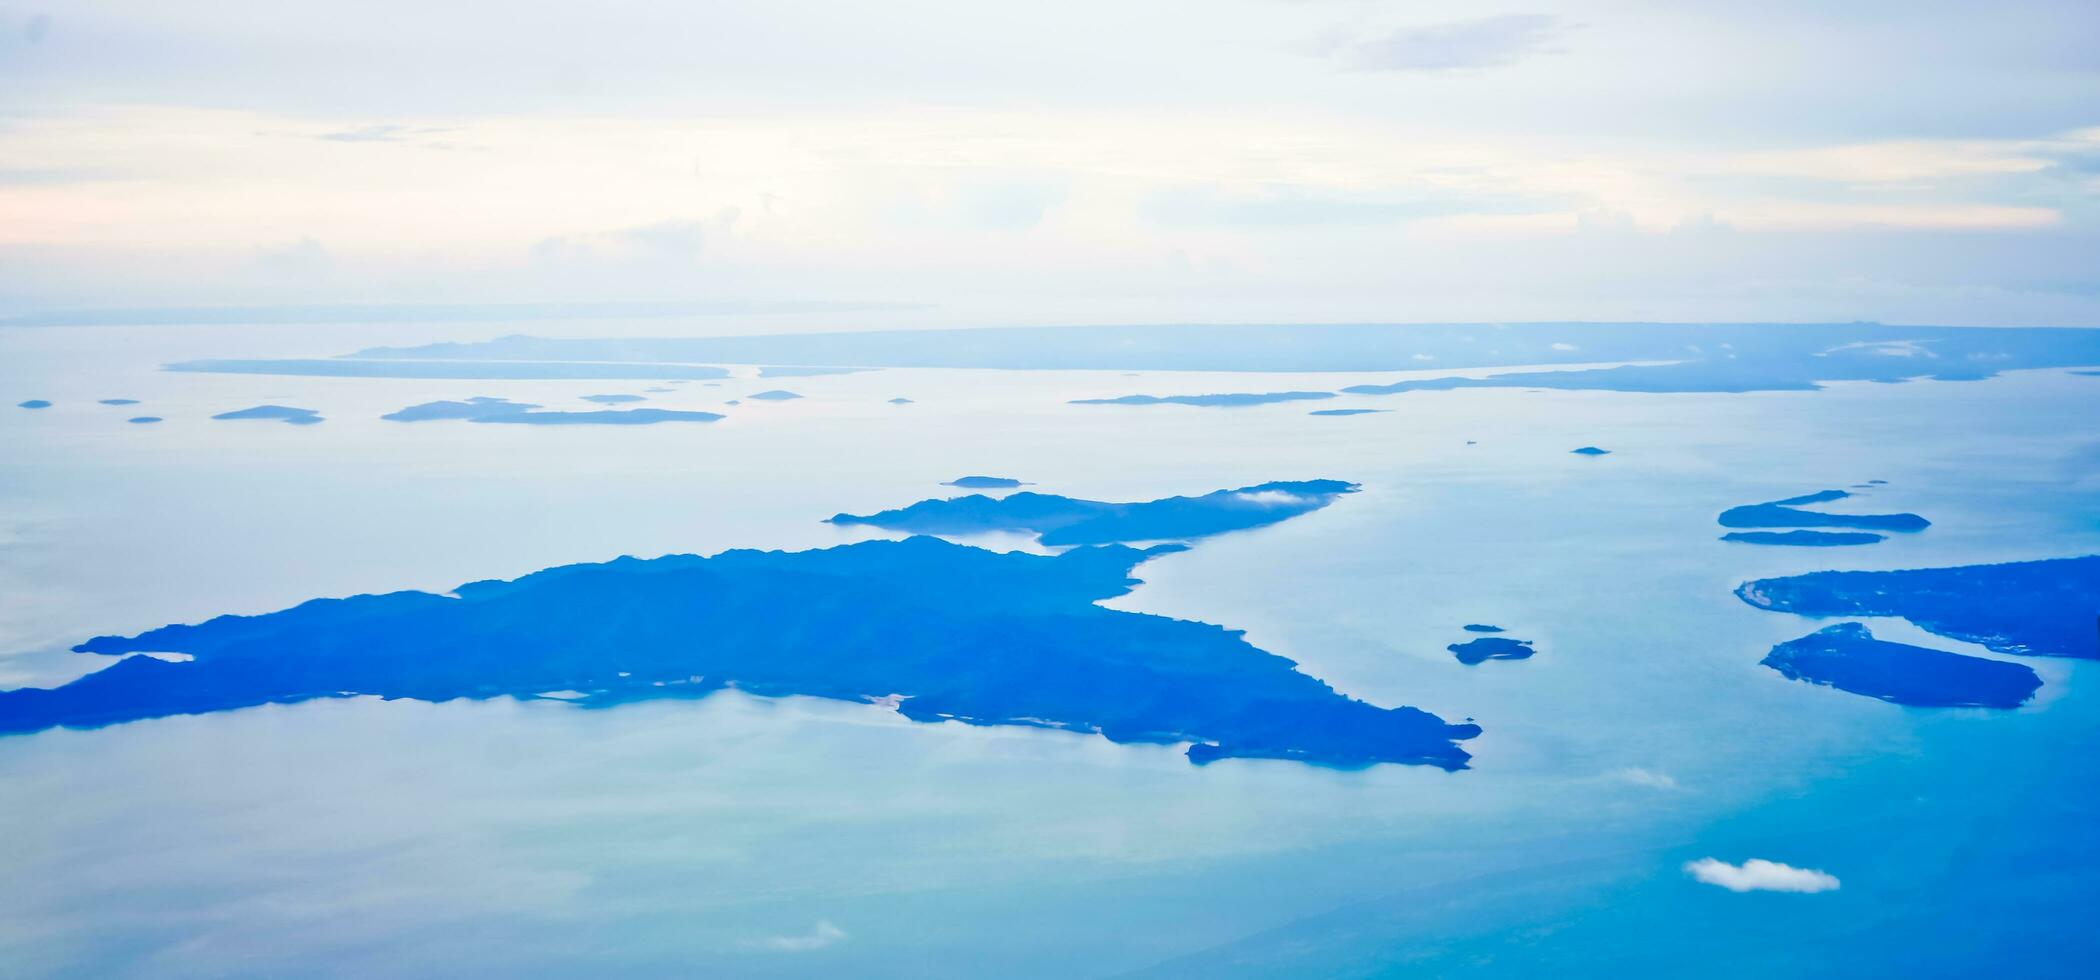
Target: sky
<point>1090,161</point>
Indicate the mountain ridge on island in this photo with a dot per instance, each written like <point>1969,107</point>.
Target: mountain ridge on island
<point>944,631</point>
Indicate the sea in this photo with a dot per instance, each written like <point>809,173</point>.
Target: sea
<point>739,836</point>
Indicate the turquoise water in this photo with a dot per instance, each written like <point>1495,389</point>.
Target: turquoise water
<point>750,837</point>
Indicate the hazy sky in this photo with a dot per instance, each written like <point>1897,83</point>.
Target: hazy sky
<point>1079,161</point>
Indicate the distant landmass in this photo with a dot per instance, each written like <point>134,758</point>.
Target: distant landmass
<point>33,403</point>
<point>505,411</point>
<point>428,312</point>
<point>118,401</point>
<point>143,419</point>
<point>807,372</point>
<point>2046,608</point>
<point>274,413</point>
<point>333,367</point>
<point>1642,357</point>
<point>616,399</point>
<point>1210,401</point>
<point>1347,411</point>
<point>776,395</point>
<point>983,483</point>
<point>944,632</point>
<point>1848,657</point>
<point>1590,451</point>
<point>1058,520</point>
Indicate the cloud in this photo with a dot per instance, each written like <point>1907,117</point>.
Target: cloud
<point>1759,875</point>
<point>819,936</point>
<point>36,27</point>
<point>676,241</point>
<point>1008,205</point>
<point>1644,777</point>
<point>1279,205</point>
<point>303,257</point>
<point>1271,498</point>
<point>1484,42</point>
<point>389,133</point>
<point>680,238</point>
<point>1283,212</point>
<point>55,175</point>
<point>381,133</point>
<point>1885,348</point>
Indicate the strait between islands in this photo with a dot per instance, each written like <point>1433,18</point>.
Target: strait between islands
<point>2044,608</point>
<point>1791,513</point>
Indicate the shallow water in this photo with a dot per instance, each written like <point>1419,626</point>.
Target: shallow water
<point>742,836</point>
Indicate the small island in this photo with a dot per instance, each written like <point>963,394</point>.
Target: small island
<point>1590,451</point>
<point>615,399</point>
<point>33,403</point>
<point>984,483</point>
<point>143,419</point>
<point>1790,513</point>
<point>1058,520</point>
<point>118,401</point>
<point>504,411</point>
<point>776,395</point>
<point>1848,657</point>
<point>1234,400</point>
<point>1482,649</point>
<point>1480,628</point>
<point>1347,411</point>
<point>274,413</point>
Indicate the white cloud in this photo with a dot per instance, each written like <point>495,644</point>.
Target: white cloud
<point>1901,161</point>
<point>301,258</point>
<point>819,936</point>
<point>375,133</point>
<point>1780,215</point>
<point>1483,42</point>
<point>1760,875</point>
<point>1644,777</point>
<point>1885,348</point>
<point>1271,498</point>
<point>673,237</point>
<point>672,242</point>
